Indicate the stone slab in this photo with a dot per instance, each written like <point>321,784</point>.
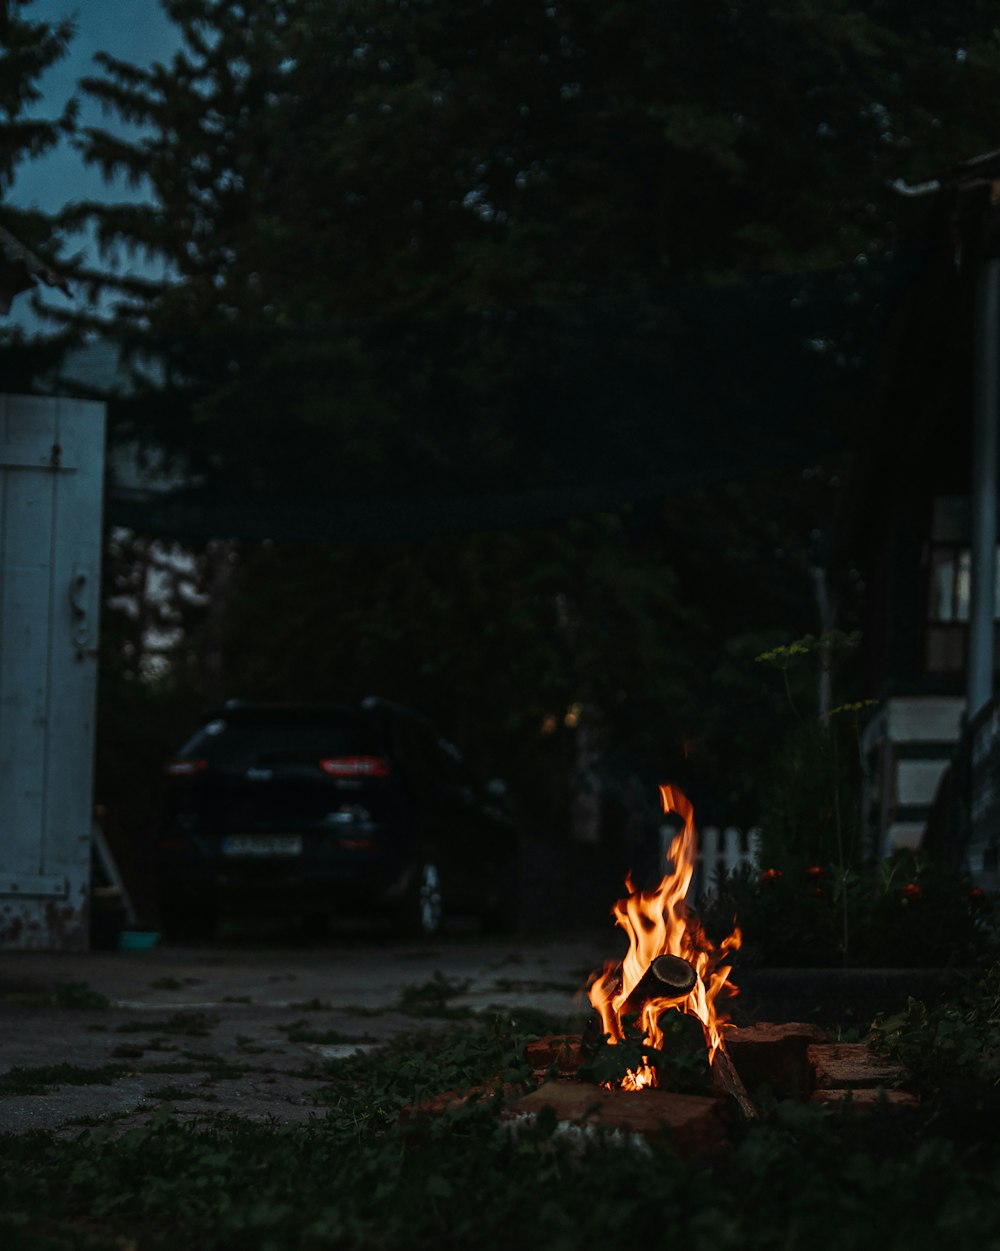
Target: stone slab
<point>695,1124</point>
<point>850,1066</point>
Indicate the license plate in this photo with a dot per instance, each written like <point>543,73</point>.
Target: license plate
<point>262,845</point>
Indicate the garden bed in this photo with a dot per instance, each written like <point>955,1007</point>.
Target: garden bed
<point>840,998</point>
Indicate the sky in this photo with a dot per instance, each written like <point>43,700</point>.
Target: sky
<point>132,30</point>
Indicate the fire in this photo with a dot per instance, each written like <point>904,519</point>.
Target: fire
<point>660,923</point>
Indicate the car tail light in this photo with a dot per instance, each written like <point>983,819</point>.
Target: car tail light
<point>186,768</point>
<point>355,767</point>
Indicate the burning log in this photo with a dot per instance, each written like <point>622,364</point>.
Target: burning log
<point>651,977</point>
<point>668,977</point>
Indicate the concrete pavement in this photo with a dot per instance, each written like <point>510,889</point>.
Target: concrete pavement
<point>241,1027</point>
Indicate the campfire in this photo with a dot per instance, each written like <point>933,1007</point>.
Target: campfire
<point>671,964</point>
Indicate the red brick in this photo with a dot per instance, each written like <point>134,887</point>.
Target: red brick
<point>560,1049</point>
<point>451,1099</point>
<point>850,1066</point>
<point>695,1124</point>
<point>775,1055</point>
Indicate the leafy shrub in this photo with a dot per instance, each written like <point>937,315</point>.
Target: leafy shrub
<point>908,912</point>
<point>958,1039</point>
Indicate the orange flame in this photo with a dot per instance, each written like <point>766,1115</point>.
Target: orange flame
<point>660,923</point>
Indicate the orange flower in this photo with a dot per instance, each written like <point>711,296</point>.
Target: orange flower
<point>910,891</point>
<point>770,875</point>
<point>814,871</point>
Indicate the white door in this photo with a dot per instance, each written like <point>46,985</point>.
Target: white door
<point>51,481</point>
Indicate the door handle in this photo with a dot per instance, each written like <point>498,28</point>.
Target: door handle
<point>79,587</point>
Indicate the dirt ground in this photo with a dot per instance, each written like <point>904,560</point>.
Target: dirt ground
<point>242,1026</point>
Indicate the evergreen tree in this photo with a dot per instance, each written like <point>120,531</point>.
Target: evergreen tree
<point>363,205</point>
<point>27,49</point>
<point>357,200</point>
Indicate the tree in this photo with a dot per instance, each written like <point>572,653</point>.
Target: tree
<point>360,203</point>
<point>27,49</point>
<point>357,201</point>
<point>312,160</point>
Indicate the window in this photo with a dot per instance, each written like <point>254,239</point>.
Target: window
<point>951,569</point>
<point>949,587</point>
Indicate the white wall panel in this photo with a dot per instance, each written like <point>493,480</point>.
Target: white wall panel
<point>51,481</point>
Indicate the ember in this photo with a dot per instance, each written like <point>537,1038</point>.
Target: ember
<point>671,964</point>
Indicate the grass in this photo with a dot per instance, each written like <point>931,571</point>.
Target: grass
<point>176,1094</point>
<point>300,1032</point>
<point>190,1024</point>
<point>128,1051</point>
<point>78,996</point>
<point>434,999</point>
<point>251,1048</point>
<point>40,1079</point>
<point>69,996</point>
<point>356,1178</point>
<point>215,1067</point>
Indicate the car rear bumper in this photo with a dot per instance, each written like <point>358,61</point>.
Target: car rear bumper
<point>370,871</point>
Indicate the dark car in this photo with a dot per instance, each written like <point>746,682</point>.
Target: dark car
<point>322,810</point>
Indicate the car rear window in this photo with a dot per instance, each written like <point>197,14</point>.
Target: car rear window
<point>257,738</point>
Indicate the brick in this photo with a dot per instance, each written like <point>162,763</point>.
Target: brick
<point>560,1049</point>
<point>850,1066</point>
<point>695,1124</point>
<point>449,1100</point>
<point>867,1097</point>
<point>775,1055</point>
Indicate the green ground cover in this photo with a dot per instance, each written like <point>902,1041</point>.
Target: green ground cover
<point>356,1177</point>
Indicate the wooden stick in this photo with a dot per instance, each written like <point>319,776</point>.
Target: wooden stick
<point>731,1083</point>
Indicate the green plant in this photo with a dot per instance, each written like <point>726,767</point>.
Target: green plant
<point>175,1094</point>
<point>40,1080</point>
<point>191,1024</point>
<point>960,1038</point>
<point>433,998</point>
<point>300,1032</point>
<point>681,1061</point>
<point>906,912</point>
<point>79,996</point>
<point>357,1177</point>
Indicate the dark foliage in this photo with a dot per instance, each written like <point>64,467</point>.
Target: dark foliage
<point>356,1178</point>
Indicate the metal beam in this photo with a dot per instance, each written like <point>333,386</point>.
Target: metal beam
<point>986,415</point>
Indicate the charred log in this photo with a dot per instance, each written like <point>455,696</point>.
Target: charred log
<point>730,1082</point>
<point>668,977</point>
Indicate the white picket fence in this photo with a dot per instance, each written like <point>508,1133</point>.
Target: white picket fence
<point>719,852</point>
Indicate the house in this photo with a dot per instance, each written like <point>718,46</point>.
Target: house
<point>921,527</point>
